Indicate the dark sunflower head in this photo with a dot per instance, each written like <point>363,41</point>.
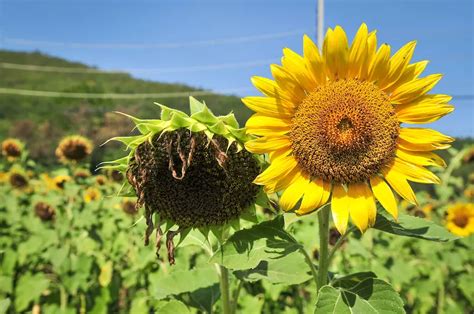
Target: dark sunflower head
<point>18,180</point>
<point>45,211</point>
<point>191,171</point>
<point>12,148</point>
<point>73,149</point>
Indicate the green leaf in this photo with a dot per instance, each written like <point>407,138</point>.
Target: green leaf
<point>106,274</point>
<point>172,307</point>
<point>195,105</point>
<point>181,281</point>
<point>29,288</point>
<point>414,227</point>
<point>246,248</point>
<point>352,279</point>
<point>290,270</point>
<point>4,305</point>
<point>368,296</point>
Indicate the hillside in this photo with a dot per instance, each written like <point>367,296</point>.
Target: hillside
<point>35,119</point>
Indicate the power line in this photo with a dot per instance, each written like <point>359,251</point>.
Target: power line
<point>197,68</point>
<point>37,93</point>
<point>171,45</point>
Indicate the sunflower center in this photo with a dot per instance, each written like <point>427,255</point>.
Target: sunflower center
<point>344,131</point>
<point>461,221</point>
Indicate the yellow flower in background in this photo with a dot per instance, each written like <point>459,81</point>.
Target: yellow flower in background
<point>12,148</point>
<point>101,179</point>
<point>3,177</point>
<point>460,219</point>
<point>56,183</point>
<point>74,148</point>
<point>331,124</point>
<point>91,194</point>
<point>468,192</point>
<point>469,155</point>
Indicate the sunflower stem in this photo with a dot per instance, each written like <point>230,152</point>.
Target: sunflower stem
<point>225,291</point>
<point>339,243</point>
<point>323,221</point>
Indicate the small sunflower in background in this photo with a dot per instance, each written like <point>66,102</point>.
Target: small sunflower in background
<point>73,149</point>
<point>190,171</point>
<point>100,179</point>
<point>469,192</point>
<point>469,155</point>
<point>129,206</point>
<point>460,219</point>
<point>18,179</point>
<point>45,211</point>
<point>55,183</point>
<point>3,177</point>
<point>82,174</point>
<point>92,194</point>
<point>12,149</point>
<point>330,122</point>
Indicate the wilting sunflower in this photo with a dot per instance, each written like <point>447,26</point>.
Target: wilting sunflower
<point>45,211</point>
<point>460,219</point>
<point>190,171</point>
<point>18,179</point>
<point>12,148</point>
<point>74,148</point>
<point>331,124</point>
<point>91,194</point>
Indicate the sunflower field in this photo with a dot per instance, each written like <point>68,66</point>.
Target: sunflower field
<point>306,209</point>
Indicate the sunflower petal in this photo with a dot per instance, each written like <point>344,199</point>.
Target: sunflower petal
<point>414,173</point>
<point>270,88</point>
<point>358,52</point>
<point>287,82</point>
<point>398,63</point>
<point>278,167</point>
<point>371,51</point>
<point>399,183</point>
<point>313,60</point>
<point>283,181</point>
<point>411,72</point>
<point>293,193</point>
<point>340,208</point>
<point>259,124</point>
<point>273,107</point>
<point>426,109</point>
<point>336,52</point>
<point>380,65</point>
<point>423,139</point>
<point>420,158</point>
<point>412,90</point>
<point>296,64</point>
<point>384,195</point>
<point>315,195</point>
<point>361,205</point>
<point>267,144</point>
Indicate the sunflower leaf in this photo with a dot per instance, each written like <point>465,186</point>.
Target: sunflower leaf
<point>414,227</point>
<point>370,295</point>
<point>265,241</point>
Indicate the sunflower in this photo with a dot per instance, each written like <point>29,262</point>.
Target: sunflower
<point>91,194</point>
<point>469,155</point>
<point>45,211</point>
<point>12,148</point>
<point>460,219</point>
<point>74,148</point>
<point>56,183</point>
<point>330,122</point>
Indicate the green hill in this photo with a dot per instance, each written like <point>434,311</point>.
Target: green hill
<point>41,121</point>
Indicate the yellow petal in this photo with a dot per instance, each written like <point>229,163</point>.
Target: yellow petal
<point>340,208</point>
<point>384,195</point>
<point>423,139</point>
<point>313,60</point>
<point>425,109</point>
<point>412,90</point>
<point>398,64</point>
<point>283,181</point>
<point>358,52</point>
<point>278,167</point>
<point>270,88</point>
<point>336,53</point>
<point>371,51</point>
<point>296,64</point>
<point>411,72</point>
<point>315,195</point>
<point>380,66</point>
<point>399,183</point>
<point>267,144</point>
<point>269,106</point>
<point>414,173</point>
<point>293,193</point>
<point>420,158</point>
<point>259,124</point>
<point>361,205</point>
<point>286,81</point>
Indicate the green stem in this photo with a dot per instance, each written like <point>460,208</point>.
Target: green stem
<point>63,298</point>
<point>236,296</point>
<point>225,291</point>
<point>314,272</point>
<point>338,244</point>
<point>323,221</point>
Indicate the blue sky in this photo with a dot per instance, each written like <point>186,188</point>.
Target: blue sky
<point>184,41</point>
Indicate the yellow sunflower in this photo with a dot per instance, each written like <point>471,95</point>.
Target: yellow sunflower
<point>331,124</point>
<point>12,148</point>
<point>91,194</point>
<point>74,148</point>
<point>460,219</point>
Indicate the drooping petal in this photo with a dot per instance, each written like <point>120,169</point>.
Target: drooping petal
<point>420,158</point>
<point>279,167</point>
<point>313,60</point>
<point>293,193</point>
<point>358,52</point>
<point>336,53</point>
<point>273,107</point>
<point>414,89</point>
<point>361,205</point>
<point>414,173</point>
<point>316,194</point>
<point>384,195</point>
<point>340,208</point>
<point>268,144</point>
<point>400,184</point>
